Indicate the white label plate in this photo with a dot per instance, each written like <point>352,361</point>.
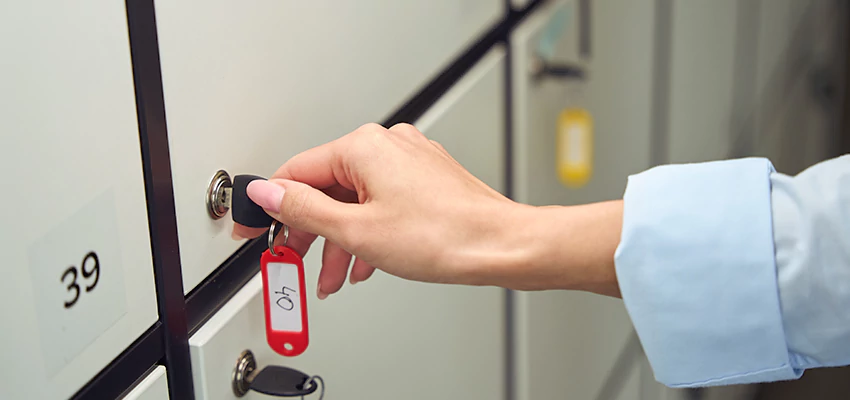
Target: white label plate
<point>66,331</point>
<point>285,296</point>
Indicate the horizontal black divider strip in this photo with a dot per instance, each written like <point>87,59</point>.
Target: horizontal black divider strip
<point>206,298</point>
<point>123,372</point>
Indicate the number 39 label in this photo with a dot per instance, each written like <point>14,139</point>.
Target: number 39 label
<point>285,301</point>
<point>78,282</point>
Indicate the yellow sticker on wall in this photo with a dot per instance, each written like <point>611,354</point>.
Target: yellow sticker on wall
<point>575,147</point>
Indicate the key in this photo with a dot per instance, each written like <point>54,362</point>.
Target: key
<point>276,380</point>
<point>284,290</point>
<point>244,211</point>
<point>272,380</point>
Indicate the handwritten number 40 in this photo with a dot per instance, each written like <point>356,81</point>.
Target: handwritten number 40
<point>288,304</point>
<point>90,266</point>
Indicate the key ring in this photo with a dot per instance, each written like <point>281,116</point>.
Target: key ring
<point>271,236</point>
<point>313,381</point>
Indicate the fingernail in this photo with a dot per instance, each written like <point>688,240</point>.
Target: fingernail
<point>235,236</point>
<point>319,293</point>
<point>351,280</point>
<point>266,194</point>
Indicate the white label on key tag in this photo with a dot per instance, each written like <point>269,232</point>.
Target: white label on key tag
<point>285,297</point>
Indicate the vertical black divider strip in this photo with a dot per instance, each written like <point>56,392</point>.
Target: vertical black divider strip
<point>514,18</point>
<point>510,337</point>
<point>658,152</point>
<point>147,75</point>
<point>843,140</point>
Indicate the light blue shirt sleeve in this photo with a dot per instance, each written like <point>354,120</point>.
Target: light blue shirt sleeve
<point>733,273</point>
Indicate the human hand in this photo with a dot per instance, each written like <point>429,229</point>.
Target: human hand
<point>400,203</point>
<point>393,199</point>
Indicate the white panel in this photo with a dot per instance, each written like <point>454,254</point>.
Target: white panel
<point>388,338</point>
<point>701,83</point>
<point>153,387</point>
<point>391,339</point>
<point>469,120</point>
<point>249,84</point>
<point>74,185</point>
<point>567,342</point>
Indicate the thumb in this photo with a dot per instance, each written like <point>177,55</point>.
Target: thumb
<point>301,206</point>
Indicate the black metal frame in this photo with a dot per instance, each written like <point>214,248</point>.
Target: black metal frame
<point>153,133</point>
<point>125,370</point>
<point>166,342</point>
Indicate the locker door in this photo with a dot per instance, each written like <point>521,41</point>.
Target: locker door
<point>388,338</point>
<point>249,84</point>
<point>78,278</point>
<point>153,387</point>
<point>568,342</point>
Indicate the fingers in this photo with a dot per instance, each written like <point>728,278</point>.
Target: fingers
<point>339,193</point>
<point>316,167</point>
<point>304,208</point>
<point>299,241</point>
<point>324,166</point>
<point>406,130</point>
<point>243,232</point>
<point>335,262</point>
<point>360,271</point>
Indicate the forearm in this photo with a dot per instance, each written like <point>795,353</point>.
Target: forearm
<point>581,248</point>
<point>560,248</point>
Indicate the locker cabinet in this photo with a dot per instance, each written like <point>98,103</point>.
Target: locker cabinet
<point>567,343</point>
<point>78,282</point>
<point>746,79</point>
<point>388,338</point>
<point>153,387</point>
<point>248,85</point>
<point>743,80</point>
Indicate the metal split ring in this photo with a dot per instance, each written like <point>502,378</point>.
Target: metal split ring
<point>315,380</point>
<point>271,236</point>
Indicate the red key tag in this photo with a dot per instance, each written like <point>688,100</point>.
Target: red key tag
<point>284,298</point>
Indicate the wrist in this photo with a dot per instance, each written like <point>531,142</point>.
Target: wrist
<point>558,248</point>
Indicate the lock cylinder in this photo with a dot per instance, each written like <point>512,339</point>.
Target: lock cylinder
<point>225,194</point>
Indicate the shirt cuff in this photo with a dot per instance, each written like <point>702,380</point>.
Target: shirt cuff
<point>697,273</point>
